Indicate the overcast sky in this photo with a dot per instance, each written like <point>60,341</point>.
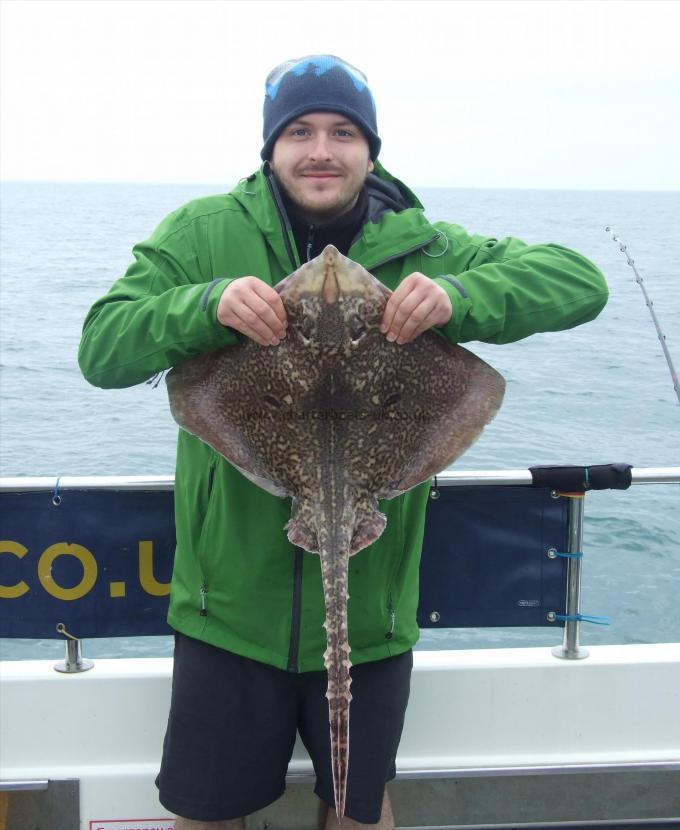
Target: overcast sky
<point>469,94</point>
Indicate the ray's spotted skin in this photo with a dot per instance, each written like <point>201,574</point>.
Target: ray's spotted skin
<point>336,417</point>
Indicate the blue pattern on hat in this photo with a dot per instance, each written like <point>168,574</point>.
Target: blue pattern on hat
<point>320,63</point>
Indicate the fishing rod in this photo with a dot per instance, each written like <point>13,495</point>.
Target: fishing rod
<point>650,305</point>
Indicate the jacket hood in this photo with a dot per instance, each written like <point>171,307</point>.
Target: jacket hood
<point>386,190</point>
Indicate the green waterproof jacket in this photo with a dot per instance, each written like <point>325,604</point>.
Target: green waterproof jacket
<point>237,582</point>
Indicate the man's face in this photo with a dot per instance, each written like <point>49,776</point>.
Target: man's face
<point>322,159</point>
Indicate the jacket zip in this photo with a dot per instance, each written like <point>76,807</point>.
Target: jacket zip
<point>393,615</point>
<point>391,610</point>
<point>310,241</point>
<point>285,224</point>
<point>294,647</point>
<point>203,590</point>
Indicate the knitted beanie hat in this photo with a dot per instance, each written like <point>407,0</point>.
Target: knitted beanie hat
<point>317,83</point>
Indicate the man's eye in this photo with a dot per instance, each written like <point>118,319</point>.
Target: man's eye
<point>344,133</point>
<point>299,131</point>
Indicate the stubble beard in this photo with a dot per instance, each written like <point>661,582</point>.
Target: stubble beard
<point>316,214</point>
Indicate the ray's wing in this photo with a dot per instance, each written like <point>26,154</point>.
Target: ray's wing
<point>207,400</point>
<point>441,416</point>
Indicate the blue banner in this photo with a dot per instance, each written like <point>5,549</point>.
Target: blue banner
<point>485,558</point>
<point>100,561</point>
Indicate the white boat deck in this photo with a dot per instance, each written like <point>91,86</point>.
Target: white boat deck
<point>499,715</point>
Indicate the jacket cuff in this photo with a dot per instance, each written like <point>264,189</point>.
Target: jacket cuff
<point>210,300</point>
<point>460,306</point>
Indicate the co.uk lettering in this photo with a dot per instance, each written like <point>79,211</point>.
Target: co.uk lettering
<point>45,569</point>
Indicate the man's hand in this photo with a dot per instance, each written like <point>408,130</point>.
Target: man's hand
<point>252,307</point>
<point>417,304</point>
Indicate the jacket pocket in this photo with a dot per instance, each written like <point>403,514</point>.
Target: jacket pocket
<point>204,540</point>
<point>392,617</point>
<point>392,599</point>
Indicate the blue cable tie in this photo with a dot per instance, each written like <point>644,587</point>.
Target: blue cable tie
<point>586,482</point>
<point>575,555</point>
<point>589,618</point>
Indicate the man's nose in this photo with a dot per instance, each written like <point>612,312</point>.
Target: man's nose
<point>320,147</point>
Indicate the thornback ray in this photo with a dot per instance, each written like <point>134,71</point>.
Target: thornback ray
<point>336,417</point>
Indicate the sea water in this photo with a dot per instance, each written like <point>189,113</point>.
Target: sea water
<point>596,394</point>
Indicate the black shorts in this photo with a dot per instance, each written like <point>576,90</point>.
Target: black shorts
<point>233,723</point>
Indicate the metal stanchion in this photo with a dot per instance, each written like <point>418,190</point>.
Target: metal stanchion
<point>570,649</point>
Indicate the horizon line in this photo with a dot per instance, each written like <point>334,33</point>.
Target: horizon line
<point>587,189</point>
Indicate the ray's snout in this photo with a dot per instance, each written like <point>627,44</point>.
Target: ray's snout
<point>330,255</point>
<point>329,277</point>
<point>341,277</point>
<point>331,289</point>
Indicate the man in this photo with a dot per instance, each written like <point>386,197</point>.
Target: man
<point>247,606</point>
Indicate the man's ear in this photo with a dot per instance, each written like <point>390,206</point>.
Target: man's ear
<point>371,166</point>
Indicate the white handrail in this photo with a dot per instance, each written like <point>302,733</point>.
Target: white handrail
<point>449,478</point>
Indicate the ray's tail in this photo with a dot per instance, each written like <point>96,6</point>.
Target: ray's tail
<point>336,658</point>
